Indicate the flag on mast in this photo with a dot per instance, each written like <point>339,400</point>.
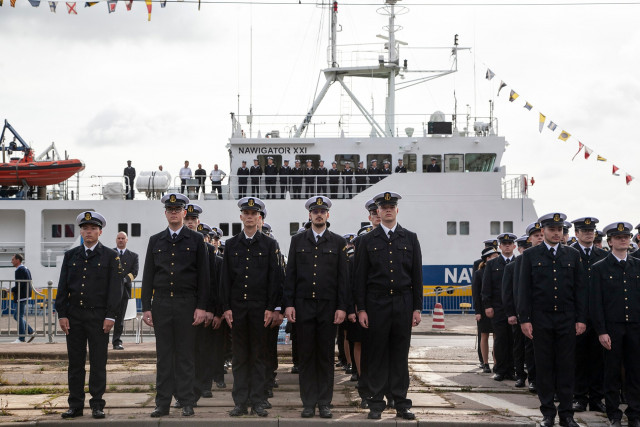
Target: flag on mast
<point>542,120</point>
<point>148,2</point>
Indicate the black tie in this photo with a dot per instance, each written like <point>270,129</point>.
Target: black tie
<point>623,263</point>
<point>390,234</point>
<point>174,235</point>
<point>552,252</point>
<point>587,250</point>
<point>88,252</point>
<point>507,261</point>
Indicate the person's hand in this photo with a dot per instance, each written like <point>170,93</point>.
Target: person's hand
<point>198,316</point>
<point>276,319</point>
<point>417,318</point>
<point>527,330</point>
<point>352,318</point>
<point>216,322</point>
<point>605,341</point>
<point>64,325</point>
<point>290,314</point>
<point>478,317</point>
<point>580,328</point>
<point>267,317</point>
<point>363,319</point>
<point>488,312</point>
<point>228,316</point>
<point>107,325</point>
<point>339,316</point>
<point>513,320</point>
<point>208,318</point>
<point>147,318</point>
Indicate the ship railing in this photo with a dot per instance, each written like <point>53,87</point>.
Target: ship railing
<point>515,187</point>
<point>35,312</point>
<point>454,299</point>
<point>356,126</point>
<point>7,250</point>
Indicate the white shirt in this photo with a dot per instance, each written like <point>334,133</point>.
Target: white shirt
<point>185,173</point>
<point>217,175</point>
<point>171,232</point>
<point>509,259</point>
<point>316,235</point>
<point>386,230</point>
<point>121,251</point>
<point>555,248</point>
<point>625,258</point>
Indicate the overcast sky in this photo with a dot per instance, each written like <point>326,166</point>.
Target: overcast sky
<point>112,87</point>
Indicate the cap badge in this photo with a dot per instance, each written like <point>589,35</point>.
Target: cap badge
<point>200,227</point>
<point>387,196</point>
<point>190,208</point>
<point>251,202</point>
<point>556,217</point>
<point>587,221</point>
<point>620,227</point>
<point>172,199</point>
<point>319,201</point>
<point>537,225</point>
<point>87,216</point>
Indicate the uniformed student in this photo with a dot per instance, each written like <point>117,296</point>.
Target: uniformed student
<point>309,179</point>
<point>361,178</point>
<point>242,173</point>
<point>552,310</point>
<point>485,327</point>
<point>296,180</point>
<point>175,285</point>
<point>386,169</point>
<point>401,168</point>
<point>256,176</point>
<point>129,263</point>
<point>434,166</point>
<point>353,329</point>
<point>374,217</point>
<point>374,172</point>
<point>315,297</point>
<point>221,341</point>
<point>347,174</point>
<point>270,173</point>
<point>589,383</point>
<point>334,180</point>
<point>88,298</point>
<point>565,233</point>
<point>321,173</point>
<point>284,172</point>
<point>615,312</point>
<point>597,241</point>
<point>389,299</point>
<point>249,293</point>
<point>494,309</point>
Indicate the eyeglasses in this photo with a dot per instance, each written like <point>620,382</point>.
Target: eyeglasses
<point>174,210</point>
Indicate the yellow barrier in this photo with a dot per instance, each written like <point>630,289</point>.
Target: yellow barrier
<point>447,291</point>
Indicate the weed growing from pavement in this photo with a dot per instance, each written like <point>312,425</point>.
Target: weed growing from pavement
<point>4,404</point>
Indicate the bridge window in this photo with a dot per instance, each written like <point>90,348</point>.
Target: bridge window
<point>494,228</point>
<point>409,161</point>
<point>479,162</point>
<point>426,161</point>
<point>293,228</point>
<point>136,229</point>
<point>452,228</point>
<point>69,230</point>
<point>464,228</point>
<point>123,227</point>
<point>56,230</point>
<point>453,162</point>
<point>236,228</point>
<point>224,227</point>
<point>315,160</point>
<point>341,159</point>
<point>507,227</point>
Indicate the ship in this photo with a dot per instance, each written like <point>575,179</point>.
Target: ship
<point>470,199</point>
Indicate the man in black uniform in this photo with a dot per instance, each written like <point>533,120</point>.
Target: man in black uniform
<point>176,277</point>
<point>89,292</point>
<point>434,166</point>
<point>130,175</point>
<point>309,179</point>
<point>130,265</point>
<point>614,301</point>
<point>400,168</point>
<point>322,178</point>
<point>374,172</point>
<point>589,385</point>
<point>296,180</point>
<point>256,175</point>
<point>386,169</point>
<point>249,292</point>
<point>347,173</point>
<point>201,175</point>
<point>284,171</point>
<point>334,180</point>
<point>388,283</point>
<point>492,302</point>
<point>552,309</point>
<point>361,178</point>
<point>242,173</point>
<point>315,296</point>
<point>270,172</point>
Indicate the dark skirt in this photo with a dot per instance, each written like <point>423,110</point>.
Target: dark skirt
<point>354,331</point>
<point>485,325</point>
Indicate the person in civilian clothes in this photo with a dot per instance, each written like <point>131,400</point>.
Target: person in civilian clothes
<point>315,296</point>
<point>88,298</point>
<point>552,309</point>
<point>589,386</point>
<point>485,326</point>
<point>389,299</point>
<point>256,176</point>
<point>21,293</point>
<point>175,294</point>
<point>614,303</point>
<point>130,264</point>
<point>249,293</point>
<point>284,172</point>
<point>242,173</point>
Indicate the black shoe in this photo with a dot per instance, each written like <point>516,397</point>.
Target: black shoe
<point>548,421</point>
<point>259,411</point>
<point>532,387</point>
<point>364,404</point>
<point>97,413</point>
<point>520,382</point>
<point>275,384</point>
<point>187,411</point>
<point>615,423</point>
<point>238,410</point>
<point>354,377</point>
<point>374,415</point>
<point>295,369</point>
<point>568,421</point>
<point>405,414</point>
<point>486,369</point>
<point>308,412</point>
<point>347,368</point>
<point>266,404</point>
<point>579,406</point>
<point>498,377</point>
<point>391,404</point>
<point>597,407</point>
<point>72,413</point>
<point>555,398</point>
<point>325,412</point>
<point>118,347</point>
<point>270,393</point>
<point>221,384</point>
<point>159,412</point>
<point>340,364</point>
<point>206,393</point>
<point>177,405</point>
<point>510,377</point>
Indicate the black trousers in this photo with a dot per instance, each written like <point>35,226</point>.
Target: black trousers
<point>283,190</point>
<point>309,190</point>
<point>271,191</point>
<point>589,387</point>
<point>316,334</point>
<point>119,325</point>
<point>519,355</point>
<point>296,189</point>
<point>625,347</point>
<point>387,348</point>
<point>293,337</point>
<point>175,345</point>
<point>248,348</point>
<point>242,190</point>
<point>348,189</point>
<point>333,191</point>
<point>342,358</point>
<point>204,352</point>
<point>554,341</point>
<point>217,368</point>
<point>322,189</point>
<point>271,356</point>
<point>255,190</point>
<point>363,385</point>
<point>86,328</point>
<point>216,186</point>
<point>503,346</point>
<point>530,359</point>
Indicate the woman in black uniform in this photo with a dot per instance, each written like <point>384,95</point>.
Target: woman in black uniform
<point>484,323</point>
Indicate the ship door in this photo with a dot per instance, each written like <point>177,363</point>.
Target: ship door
<point>454,162</point>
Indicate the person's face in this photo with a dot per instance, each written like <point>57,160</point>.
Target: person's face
<point>536,237</point>
<point>128,163</point>
<point>297,164</point>
<point>619,243</point>
<point>270,161</point>
<point>374,164</point>
<point>121,240</point>
<point>191,222</point>
<point>552,234</point>
<point>521,249</point>
<point>199,166</point>
<point>175,215</point>
<point>321,164</point>
<point>90,234</point>
<point>374,218</point>
<point>186,164</point>
<point>215,167</point>
<point>319,217</point>
<point>585,237</point>
<point>308,164</point>
<point>388,213</point>
<point>244,164</point>
<point>333,165</point>
<point>386,165</point>
<point>215,242</point>
<point>15,261</point>
<point>507,248</point>
<point>286,163</point>
<point>255,163</point>
<point>160,167</point>
<point>347,166</point>
<point>360,164</point>
<point>565,238</point>
<point>598,244</point>
<point>399,162</point>
<point>250,218</point>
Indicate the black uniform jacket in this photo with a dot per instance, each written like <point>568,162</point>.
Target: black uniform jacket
<point>383,265</point>
<point>283,172</point>
<point>614,293</point>
<point>492,287</point>
<point>476,291</point>
<point>322,179</point>
<point>251,271</point>
<point>271,171</point>
<point>595,255</point>
<point>297,175</point>
<point>317,270</point>
<point>255,173</point>
<point>90,282</point>
<point>334,176</point>
<point>361,176</point>
<point>215,264</point>
<point>130,265</point>
<point>242,172</point>
<point>309,175</point>
<point>510,287</point>
<point>179,267</point>
<point>551,284</point>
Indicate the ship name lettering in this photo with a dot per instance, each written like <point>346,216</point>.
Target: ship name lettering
<point>451,275</point>
<point>271,150</point>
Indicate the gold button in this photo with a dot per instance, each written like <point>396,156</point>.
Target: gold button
<point>81,293</point>
<point>391,262</point>
<point>314,283</point>
<point>246,268</point>
<point>315,256</point>
<point>391,271</point>
<point>556,296</point>
<point>555,280</point>
<point>316,249</point>
<point>554,271</point>
<point>247,259</point>
<point>245,286</point>
<point>83,285</point>
<point>171,283</point>
<point>84,277</point>
<point>246,277</point>
<point>391,291</point>
<point>391,280</point>
<point>555,288</point>
<point>624,281</point>
<point>314,265</point>
<point>314,274</point>
<point>390,252</point>
<point>173,254</point>
<point>85,269</point>
<point>174,244</point>
<point>171,293</point>
<point>171,263</point>
<point>171,273</point>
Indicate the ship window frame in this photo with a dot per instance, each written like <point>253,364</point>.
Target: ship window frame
<point>341,159</point>
<point>446,168</point>
<point>123,227</point>
<point>224,227</point>
<point>452,228</point>
<point>262,160</point>
<point>465,228</point>
<point>69,231</point>
<point>426,161</point>
<point>507,226</point>
<point>411,165</point>
<point>236,228</point>
<point>56,231</point>
<point>315,160</point>
<point>471,157</point>
<point>492,227</point>
<point>136,229</point>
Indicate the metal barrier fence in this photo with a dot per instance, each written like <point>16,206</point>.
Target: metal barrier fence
<point>454,299</point>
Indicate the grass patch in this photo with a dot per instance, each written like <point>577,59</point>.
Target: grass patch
<point>27,391</point>
<point>4,404</point>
